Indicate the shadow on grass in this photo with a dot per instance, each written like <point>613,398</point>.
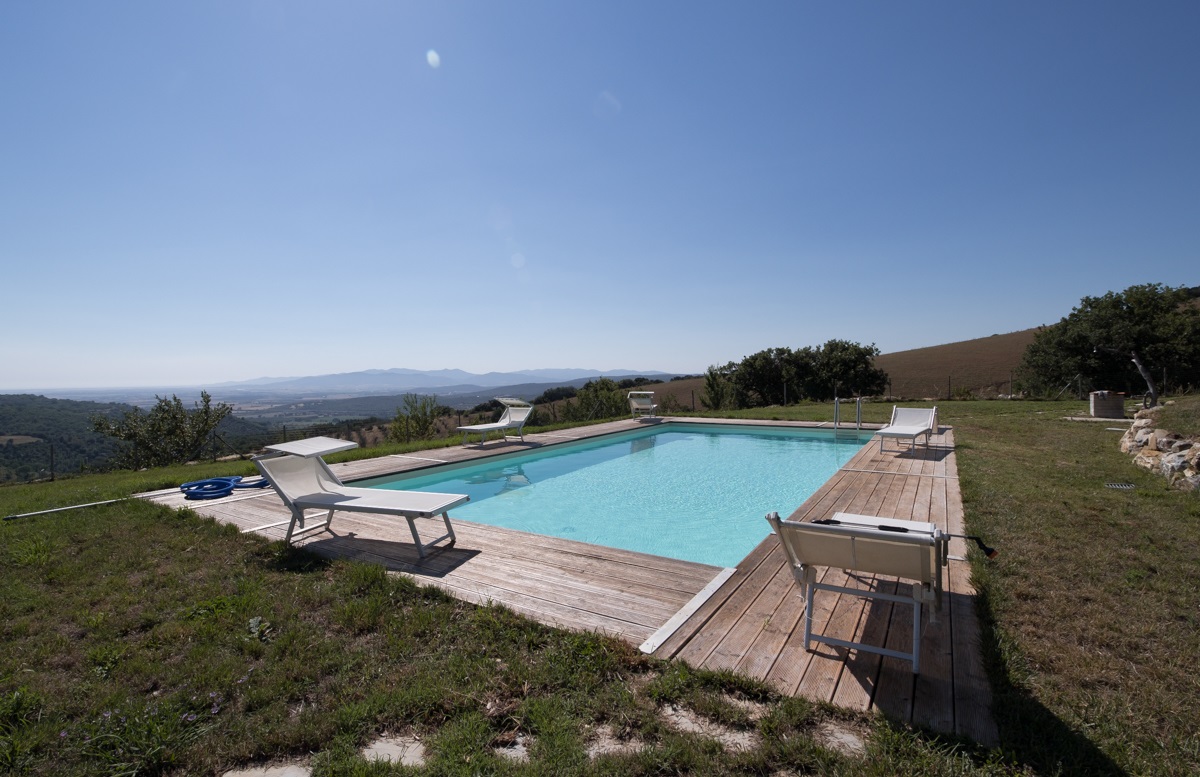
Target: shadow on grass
<point>1030,734</point>
<point>289,558</point>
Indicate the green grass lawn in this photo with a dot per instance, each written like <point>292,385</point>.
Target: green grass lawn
<point>138,639</point>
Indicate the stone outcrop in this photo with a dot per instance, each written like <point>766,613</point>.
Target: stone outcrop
<point>1163,452</point>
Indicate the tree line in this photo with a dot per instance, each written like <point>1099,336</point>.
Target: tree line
<point>778,376</point>
<point>1140,341</point>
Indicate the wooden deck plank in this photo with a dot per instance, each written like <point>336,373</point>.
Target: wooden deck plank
<point>779,627</point>
<point>549,574</point>
<point>701,645</point>
<point>672,645</point>
<point>894,693</point>
<point>972,692</point>
<point>933,692</point>
<point>631,571</point>
<point>795,662</point>
<point>860,678</point>
<point>828,661</point>
<point>736,643</point>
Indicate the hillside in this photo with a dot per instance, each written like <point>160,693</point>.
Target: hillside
<point>31,427</point>
<point>978,368</point>
<point>982,367</point>
<point>41,437</point>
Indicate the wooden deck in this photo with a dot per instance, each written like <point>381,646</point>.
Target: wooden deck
<point>562,583</point>
<point>749,619</point>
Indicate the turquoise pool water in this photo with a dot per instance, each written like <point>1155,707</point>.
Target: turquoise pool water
<point>688,491</point>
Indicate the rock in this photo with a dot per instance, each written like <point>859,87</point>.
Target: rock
<point>1162,451</point>
<point>1164,439</point>
<point>1172,462</point>
<point>1148,460</point>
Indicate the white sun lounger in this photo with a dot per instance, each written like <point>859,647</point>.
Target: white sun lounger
<point>909,423</point>
<point>642,402</point>
<point>912,550</point>
<point>516,412</point>
<point>304,482</point>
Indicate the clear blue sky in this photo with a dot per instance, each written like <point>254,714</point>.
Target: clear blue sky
<point>195,192</point>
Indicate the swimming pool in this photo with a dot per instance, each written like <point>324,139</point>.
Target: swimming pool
<point>696,492</point>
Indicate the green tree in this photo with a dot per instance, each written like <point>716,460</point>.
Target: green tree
<point>1119,342</point>
<point>761,378</point>
<point>416,419</point>
<point>168,433</point>
<point>718,392</point>
<point>554,394</point>
<point>599,398</point>
<point>844,368</point>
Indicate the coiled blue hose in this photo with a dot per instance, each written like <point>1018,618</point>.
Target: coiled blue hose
<point>215,488</point>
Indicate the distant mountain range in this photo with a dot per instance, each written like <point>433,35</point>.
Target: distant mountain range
<point>454,387</point>
<point>399,379</point>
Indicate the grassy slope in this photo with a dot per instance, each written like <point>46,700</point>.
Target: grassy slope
<point>983,367</point>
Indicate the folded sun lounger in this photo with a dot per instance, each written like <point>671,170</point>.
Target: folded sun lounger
<point>912,550</point>
<point>304,482</point>
<point>515,414</point>
<point>642,402</point>
<point>909,423</point>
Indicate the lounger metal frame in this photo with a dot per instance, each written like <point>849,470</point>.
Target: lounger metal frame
<point>516,413</point>
<point>925,562</point>
<point>336,496</point>
<point>910,423</point>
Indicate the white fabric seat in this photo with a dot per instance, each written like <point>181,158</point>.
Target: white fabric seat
<point>909,423</point>
<point>912,550</point>
<point>304,482</point>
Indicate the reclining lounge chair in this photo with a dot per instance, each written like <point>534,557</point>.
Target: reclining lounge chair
<point>515,414</point>
<point>642,402</point>
<point>882,546</point>
<point>910,423</point>
<point>304,482</point>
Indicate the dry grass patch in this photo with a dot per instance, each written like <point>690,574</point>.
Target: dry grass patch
<point>404,750</point>
<point>732,739</point>
<point>848,739</point>
<point>604,741</point>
